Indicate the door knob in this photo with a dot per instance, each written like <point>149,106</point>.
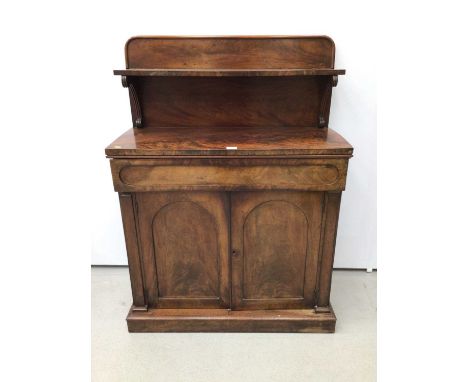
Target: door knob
<point>235,253</point>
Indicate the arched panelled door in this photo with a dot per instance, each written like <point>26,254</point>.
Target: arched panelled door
<point>184,243</point>
<point>275,246</point>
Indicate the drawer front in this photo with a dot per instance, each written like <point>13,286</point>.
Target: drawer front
<point>228,174</point>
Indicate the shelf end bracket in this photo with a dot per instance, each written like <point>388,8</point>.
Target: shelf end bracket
<point>134,102</point>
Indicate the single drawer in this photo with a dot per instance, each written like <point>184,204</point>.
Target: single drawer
<point>232,174</point>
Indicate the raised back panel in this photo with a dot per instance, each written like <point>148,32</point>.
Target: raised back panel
<point>302,52</point>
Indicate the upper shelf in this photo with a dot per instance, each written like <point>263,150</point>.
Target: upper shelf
<point>228,72</point>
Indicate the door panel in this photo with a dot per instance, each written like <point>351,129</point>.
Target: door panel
<point>275,249</point>
<point>185,242</point>
<point>275,243</point>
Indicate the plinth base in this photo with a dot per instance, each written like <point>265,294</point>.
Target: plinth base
<point>225,320</point>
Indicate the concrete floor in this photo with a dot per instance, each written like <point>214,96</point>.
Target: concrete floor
<point>348,355</point>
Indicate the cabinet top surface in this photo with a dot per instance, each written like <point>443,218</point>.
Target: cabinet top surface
<point>222,141</point>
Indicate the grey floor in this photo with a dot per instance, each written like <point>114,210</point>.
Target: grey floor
<point>348,355</point>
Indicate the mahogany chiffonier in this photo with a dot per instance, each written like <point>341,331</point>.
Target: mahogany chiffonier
<point>230,183</point>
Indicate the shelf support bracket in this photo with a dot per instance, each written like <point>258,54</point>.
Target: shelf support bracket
<point>325,104</point>
<point>134,102</point>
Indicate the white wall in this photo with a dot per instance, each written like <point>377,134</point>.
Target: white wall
<point>353,112</point>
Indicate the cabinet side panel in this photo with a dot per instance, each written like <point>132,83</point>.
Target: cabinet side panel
<point>330,226</point>
<point>131,241</point>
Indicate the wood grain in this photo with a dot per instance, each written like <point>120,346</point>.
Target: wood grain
<point>228,174</point>
<point>276,237</point>
<point>186,252</point>
<point>274,251</point>
<point>259,141</point>
<point>230,81</point>
<point>133,252</point>
<point>235,52</point>
<point>230,101</point>
<point>184,240</point>
<point>228,72</point>
<point>328,241</point>
<point>224,320</point>
<point>230,188</point>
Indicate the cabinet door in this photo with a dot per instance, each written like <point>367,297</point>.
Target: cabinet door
<point>185,248</point>
<point>275,245</point>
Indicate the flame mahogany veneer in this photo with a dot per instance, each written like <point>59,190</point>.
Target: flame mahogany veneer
<point>230,183</point>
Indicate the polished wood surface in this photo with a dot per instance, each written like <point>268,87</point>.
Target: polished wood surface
<point>329,230</point>
<point>215,141</point>
<point>229,174</point>
<point>228,72</point>
<point>275,249</point>
<point>184,244</point>
<point>232,52</point>
<point>127,207</point>
<point>230,101</point>
<point>230,81</point>
<point>230,183</point>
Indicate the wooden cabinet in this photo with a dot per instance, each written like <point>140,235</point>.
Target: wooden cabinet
<point>230,183</point>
